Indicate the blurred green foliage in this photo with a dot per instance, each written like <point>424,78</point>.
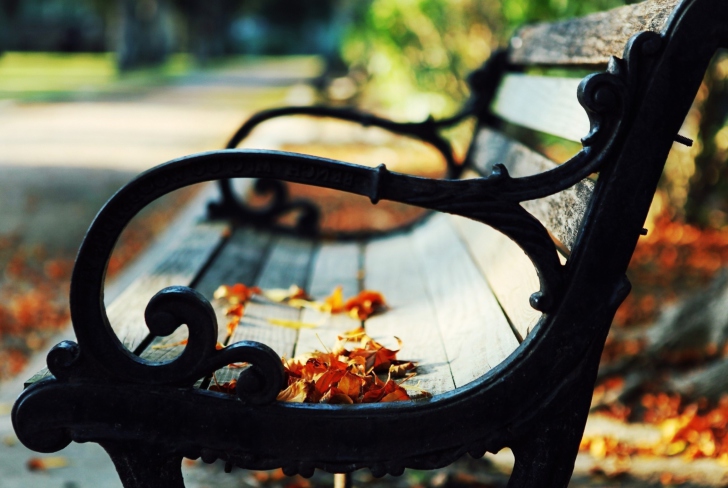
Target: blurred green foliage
<point>417,53</point>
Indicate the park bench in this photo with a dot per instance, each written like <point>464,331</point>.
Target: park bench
<point>504,294</point>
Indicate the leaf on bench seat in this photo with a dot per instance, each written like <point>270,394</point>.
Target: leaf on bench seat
<point>345,375</point>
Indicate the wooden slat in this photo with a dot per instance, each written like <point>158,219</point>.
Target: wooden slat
<point>392,269</point>
<point>335,264</point>
<point>591,39</point>
<point>180,266</point>
<point>475,332</point>
<point>508,270</point>
<point>561,213</point>
<point>238,262</point>
<point>288,263</point>
<point>542,103</point>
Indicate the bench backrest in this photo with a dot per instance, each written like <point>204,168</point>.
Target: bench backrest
<point>527,104</point>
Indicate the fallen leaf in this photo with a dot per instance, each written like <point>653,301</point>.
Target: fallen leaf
<point>280,295</point>
<point>225,387</point>
<point>365,304</point>
<point>46,463</point>
<point>399,369</point>
<point>183,342</point>
<point>237,293</point>
<point>335,302</point>
<point>291,324</point>
<point>297,392</point>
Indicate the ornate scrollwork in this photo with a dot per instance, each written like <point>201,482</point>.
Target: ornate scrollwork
<point>280,204</point>
<point>167,310</point>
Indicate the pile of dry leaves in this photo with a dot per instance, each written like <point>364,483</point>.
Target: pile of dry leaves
<point>357,369</point>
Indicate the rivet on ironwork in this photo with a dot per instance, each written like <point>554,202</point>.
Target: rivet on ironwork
<point>377,183</point>
<point>685,141</point>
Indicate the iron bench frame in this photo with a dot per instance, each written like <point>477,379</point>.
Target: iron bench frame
<point>535,402</point>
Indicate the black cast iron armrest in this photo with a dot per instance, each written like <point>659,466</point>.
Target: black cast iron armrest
<point>426,131</point>
<point>100,355</point>
<point>230,206</point>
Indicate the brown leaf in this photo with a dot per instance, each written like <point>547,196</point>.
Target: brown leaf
<point>44,464</point>
<point>365,304</point>
<point>297,392</point>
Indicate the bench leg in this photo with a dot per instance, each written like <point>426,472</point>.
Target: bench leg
<point>143,466</point>
<point>547,459</point>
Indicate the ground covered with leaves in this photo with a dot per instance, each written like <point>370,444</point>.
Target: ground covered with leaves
<point>41,229</point>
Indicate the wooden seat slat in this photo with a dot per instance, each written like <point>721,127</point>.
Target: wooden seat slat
<point>287,263</point>
<point>507,269</point>
<point>393,269</point>
<point>561,213</point>
<point>589,40</point>
<point>474,330</point>
<point>543,103</point>
<point>335,264</point>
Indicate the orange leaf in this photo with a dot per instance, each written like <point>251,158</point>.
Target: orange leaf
<point>366,303</point>
<point>336,396</point>
<point>226,387</point>
<point>394,392</point>
<point>44,464</point>
<point>296,392</point>
<point>351,385</point>
<point>399,369</point>
<point>335,302</point>
<point>238,293</point>
<point>236,310</point>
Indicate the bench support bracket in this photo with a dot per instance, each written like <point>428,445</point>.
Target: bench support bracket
<point>141,466</point>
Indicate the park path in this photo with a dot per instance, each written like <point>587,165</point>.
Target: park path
<point>60,161</point>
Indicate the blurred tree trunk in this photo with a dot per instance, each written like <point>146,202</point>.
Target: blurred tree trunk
<point>707,202</point>
<point>208,26</point>
<point>8,11</point>
<point>145,33</point>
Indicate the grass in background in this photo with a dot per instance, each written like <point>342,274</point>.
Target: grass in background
<point>53,76</point>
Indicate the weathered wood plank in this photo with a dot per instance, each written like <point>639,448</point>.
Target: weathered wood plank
<point>589,40</point>
<point>475,332</point>
<point>335,264</point>
<point>392,269</point>
<point>508,270</point>
<point>288,263</point>
<point>561,213</point>
<point>543,103</point>
<point>180,266</point>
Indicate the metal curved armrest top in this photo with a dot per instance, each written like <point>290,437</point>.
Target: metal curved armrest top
<point>426,131</point>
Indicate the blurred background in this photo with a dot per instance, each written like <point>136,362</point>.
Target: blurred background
<point>94,91</point>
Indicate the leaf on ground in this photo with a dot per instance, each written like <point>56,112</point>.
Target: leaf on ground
<point>46,463</point>
<point>281,295</point>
